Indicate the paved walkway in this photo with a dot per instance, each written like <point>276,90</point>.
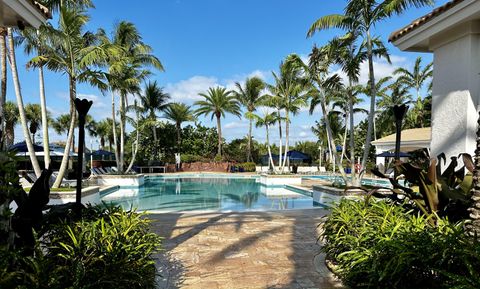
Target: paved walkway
<point>242,250</point>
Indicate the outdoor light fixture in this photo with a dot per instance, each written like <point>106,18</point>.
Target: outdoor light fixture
<point>399,112</point>
<point>82,106</point>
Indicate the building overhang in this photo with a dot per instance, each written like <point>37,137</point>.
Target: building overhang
<point>444,24</point>
<point>15,13</point>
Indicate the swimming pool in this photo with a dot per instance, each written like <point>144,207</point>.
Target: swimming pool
<point>208,193</point>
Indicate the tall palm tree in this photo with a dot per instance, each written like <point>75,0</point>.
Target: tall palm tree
<point>250,96</point>
<point>11,120</point>
<point>266,120</point>
<point>178,113</point>
<point>74,53</point>
<point>21,109</point>
<point>361,16</point>
<point>61,125</point>
<point>102,130</point>
<point>153,99</point>
<point>217,102</point>
<point>126,70</point>
<point>416,79</point>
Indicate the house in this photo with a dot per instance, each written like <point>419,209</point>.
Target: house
<point>452,33</point>
<point>21,13</point>
<point>412,139</point>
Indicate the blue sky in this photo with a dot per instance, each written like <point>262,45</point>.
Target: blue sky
<point>215,42</point>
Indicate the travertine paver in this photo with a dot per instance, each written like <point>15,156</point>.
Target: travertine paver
<point>242,250</point>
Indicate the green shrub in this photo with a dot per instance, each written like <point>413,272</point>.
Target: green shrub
<point>187,158</point>
<point>249,166</point>
<point>380,245</point>
<point>218,158</point>
<point>107,248</point>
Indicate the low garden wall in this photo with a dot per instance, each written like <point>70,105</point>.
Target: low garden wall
<point>120,180</point>
<point>89,195</point>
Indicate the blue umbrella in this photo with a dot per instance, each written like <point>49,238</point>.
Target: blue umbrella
<point>392,155</point>
<point>21,147</point>
<point>100,153</point>
<point>294,155</point>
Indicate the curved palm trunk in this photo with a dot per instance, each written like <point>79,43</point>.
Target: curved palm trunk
<point>71,132</point>
<point>249,152</point>
<point>270,158</point>
<point>219,130</point>
<point>332,143</point>
<point>154,126</point>
<point>344,139</point>
<point>3,86</point>
<point>134,149</point>
<point>21,110</point>
<point>371,114</point>
<point>43,105</point>
<point>114,127</point>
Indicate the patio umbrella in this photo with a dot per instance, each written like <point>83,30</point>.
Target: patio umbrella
<point>294,155</point>
<point>21,148</point>
<point>392,155</point>
<point>102,154</point>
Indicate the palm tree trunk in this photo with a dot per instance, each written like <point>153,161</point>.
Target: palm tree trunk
<point>270,158</point>
<point>179,137</point>
<point>249,152</point>
<point>219,130</point>
<point>114,127</point>
<point>43,105</point>
<point>9,134</point>
<point>332,142</point>
<point>344,139</point>
<point>102,142</point>
<point>3,85</point>
<point>352,136</point>
<point>21,110</point>
<point>122,132</point>
<point>71,132</point>
<point>154,126</point>
<point>137,141</point>
<point>373,92</point>
<point>287,135</point>
<point>280,137</point>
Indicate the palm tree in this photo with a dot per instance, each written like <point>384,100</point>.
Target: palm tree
<point>178,113</point>
<point>74,53</point>
<point>102,130</point>
<point>361,16</point>
<point>126,70</point>
<point>249,96</point>
<point>218,101</point>
<point>3,80</point>
<point>61,125</point>
<point>415,79</point>
<point>11,119</point>
<point>21,110</point>
<point>33,113</point>
<point>266,120</point>
<point>152,100</point>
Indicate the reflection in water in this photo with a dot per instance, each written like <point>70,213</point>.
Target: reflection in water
<point>222,194</point>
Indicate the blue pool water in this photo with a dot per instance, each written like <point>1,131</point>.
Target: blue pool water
<point>365,181</point>
<point>193,193</point>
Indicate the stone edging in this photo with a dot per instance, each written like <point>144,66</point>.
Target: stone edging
<point>72,194</point>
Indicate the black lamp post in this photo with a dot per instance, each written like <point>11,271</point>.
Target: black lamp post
<point>82,106</point>
<point>399,112</point>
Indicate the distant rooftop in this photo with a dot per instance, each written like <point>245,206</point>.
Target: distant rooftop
<point>409,135</point>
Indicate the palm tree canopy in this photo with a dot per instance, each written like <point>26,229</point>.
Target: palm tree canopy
<point>153,98</point>
<point>417,77</point>
<point>250,94</point>
<point>218,101</point>
<point>178,112</point>
<point>266,119</point>
<point>10,111</point>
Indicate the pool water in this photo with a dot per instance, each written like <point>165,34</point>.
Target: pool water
<point>365,181</point>
<point>208,194</point>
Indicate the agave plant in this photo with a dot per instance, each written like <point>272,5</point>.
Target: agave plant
<point>446,193</point>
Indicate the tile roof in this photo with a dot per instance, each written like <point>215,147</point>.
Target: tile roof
<point>44,10</point>
<point>408,135</point>
<point>422,20</point>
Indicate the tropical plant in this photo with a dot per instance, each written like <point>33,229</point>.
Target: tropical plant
<point>3,81</point>
<point>360,17</point>
<point>153,100</point>
<point>11,119</point>
<point>103,130</point>
<point>61,126</point>
<point>126,70</point>
<point>217,102</point>
<point>267,120</point>
<point>250,97</point>
<point>33,113</point>
<point>178,113</point>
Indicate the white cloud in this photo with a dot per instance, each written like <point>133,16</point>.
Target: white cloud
<point>98,101</point>
<point>236,124</point>
<point>188,90</point>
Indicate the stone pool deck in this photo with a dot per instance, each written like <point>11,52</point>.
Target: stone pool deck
<point>242,250</point>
